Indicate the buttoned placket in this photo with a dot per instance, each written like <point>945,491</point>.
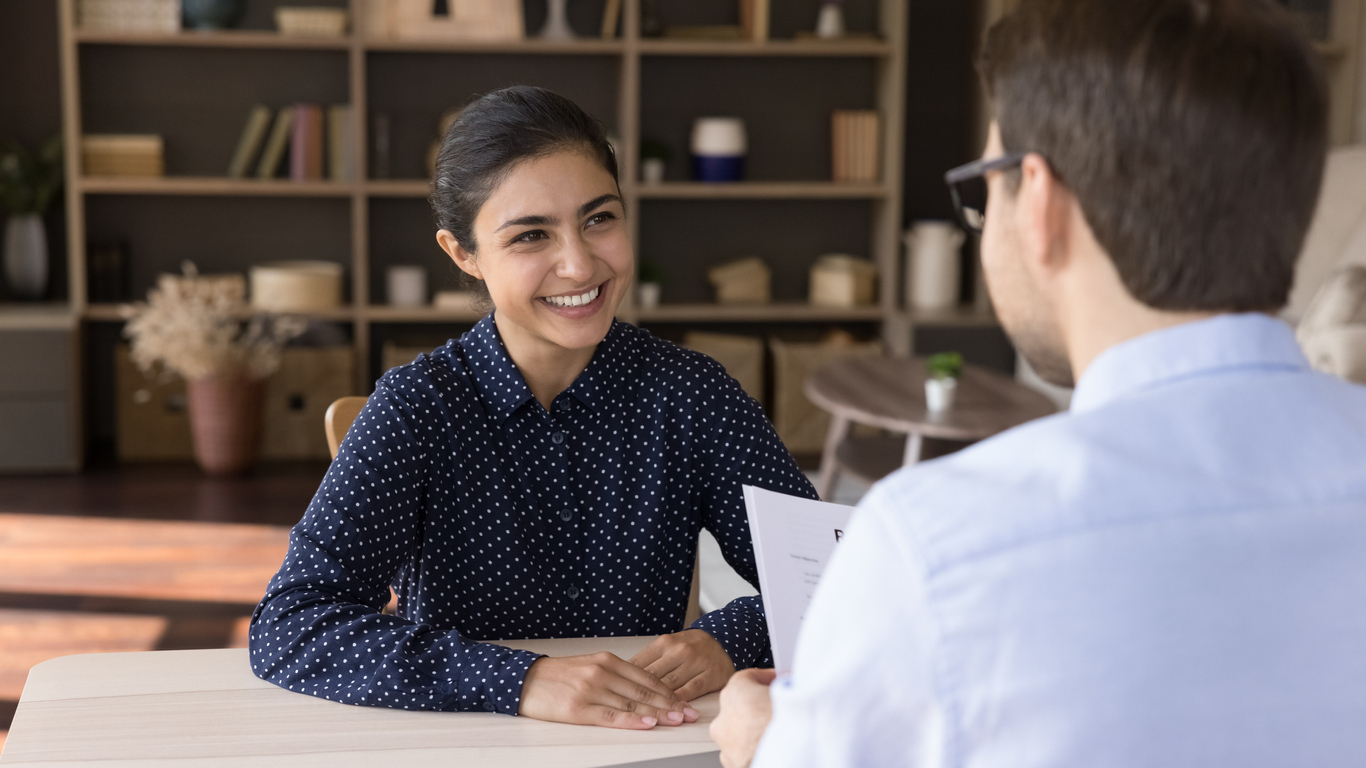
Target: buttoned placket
<point>565,533</point>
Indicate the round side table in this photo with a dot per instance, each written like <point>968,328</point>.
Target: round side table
<point>889,393</point>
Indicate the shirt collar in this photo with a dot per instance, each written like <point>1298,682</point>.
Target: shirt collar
<point>504,390</point>
<point>1203,347</point>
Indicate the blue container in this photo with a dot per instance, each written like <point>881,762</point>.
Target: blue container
<point>718,168</point>
<point>213,14</point>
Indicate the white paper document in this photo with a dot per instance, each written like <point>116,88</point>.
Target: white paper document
<point>793,541</point>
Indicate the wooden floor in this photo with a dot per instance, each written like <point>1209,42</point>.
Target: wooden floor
<point>138,558</point>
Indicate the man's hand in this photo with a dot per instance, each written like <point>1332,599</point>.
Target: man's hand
<point>691,663</point>
<point>745,712</point>
<point>600,689</point>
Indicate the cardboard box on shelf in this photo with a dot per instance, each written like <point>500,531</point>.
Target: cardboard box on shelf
<point>746,281</point>
<point>153,421</point>
<point>123,155</point>
<point>741,356</point>
<point>801,425</point>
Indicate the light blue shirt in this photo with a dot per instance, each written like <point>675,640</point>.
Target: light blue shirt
<point>1171,574</point>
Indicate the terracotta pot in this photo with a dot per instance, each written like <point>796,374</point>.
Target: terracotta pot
<point>225,420</point>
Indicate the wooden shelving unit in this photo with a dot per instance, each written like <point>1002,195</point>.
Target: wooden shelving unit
<point>376,208</point>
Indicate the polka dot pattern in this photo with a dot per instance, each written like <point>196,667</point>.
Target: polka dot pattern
<point>492,517</point>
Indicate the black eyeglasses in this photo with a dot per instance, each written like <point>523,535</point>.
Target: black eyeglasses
<point>968,186</point>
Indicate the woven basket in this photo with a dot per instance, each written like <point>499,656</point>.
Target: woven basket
<point>311,22</point>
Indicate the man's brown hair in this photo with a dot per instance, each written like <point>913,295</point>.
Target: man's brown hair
<point>1192,132</point>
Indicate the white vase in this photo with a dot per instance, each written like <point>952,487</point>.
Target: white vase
<point>933,265</point>
<point>556,22</point>
<point>26,256</point>
<point>647,295</point>
<point>939,394</point>
<point>830,22</point>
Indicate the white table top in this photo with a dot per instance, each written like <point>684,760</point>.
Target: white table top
<point>206,708</point>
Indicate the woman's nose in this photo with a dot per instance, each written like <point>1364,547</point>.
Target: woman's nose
<point>576,261</point>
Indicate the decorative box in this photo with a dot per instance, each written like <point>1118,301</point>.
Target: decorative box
<point>741,356</point>
<point>801,425</point>
<point>311,22</point>
<point>123,155</point>
<point>130,15</point>
<point>841,280</point>
<point>296,286</point>
<point>746,281</point>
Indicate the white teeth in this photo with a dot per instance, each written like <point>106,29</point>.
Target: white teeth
<point>574,301</point>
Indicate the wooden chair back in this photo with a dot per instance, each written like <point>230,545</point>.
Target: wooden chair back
<point>338,419</point>
<point>342,412</point>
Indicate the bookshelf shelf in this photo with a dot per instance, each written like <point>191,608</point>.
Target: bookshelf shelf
<point>118,313</point>
<point>841,48</point>
<point>582,47</point>
<point>223,39</point>
<point>398,188</point>
<point>762,190</point>
<point>770,313</point>
<point>384,314</point>
<point>210,186</point>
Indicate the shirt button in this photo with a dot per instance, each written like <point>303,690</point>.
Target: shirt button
<point>488,706</point>
<point>557,438</point>
<point>573,592</point>
<point>566,515</point>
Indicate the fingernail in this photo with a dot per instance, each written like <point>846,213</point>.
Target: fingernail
<point>690,712</point>
<point>649,721</point>
<point>675,717</point>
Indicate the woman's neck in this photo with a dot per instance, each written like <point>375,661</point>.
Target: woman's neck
<point>547,367</point>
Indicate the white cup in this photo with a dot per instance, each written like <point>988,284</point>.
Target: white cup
<point>932,264</point>
<point>719,137</point>
<point>407,286</point>
<point>652,170</point>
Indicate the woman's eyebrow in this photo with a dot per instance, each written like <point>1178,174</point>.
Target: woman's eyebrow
<point>529,221</point>
<point>597,201</point>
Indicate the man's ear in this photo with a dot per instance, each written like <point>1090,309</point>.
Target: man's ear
<point>462,258</point>
<point>1044,210</point>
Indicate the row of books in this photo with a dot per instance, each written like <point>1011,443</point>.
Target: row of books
<point>305,142</point>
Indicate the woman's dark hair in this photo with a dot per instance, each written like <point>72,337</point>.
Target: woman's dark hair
<point>492,135</point>
<point>1193,133</point>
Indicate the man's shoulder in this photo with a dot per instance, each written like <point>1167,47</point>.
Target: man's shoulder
<point>1268,441</point>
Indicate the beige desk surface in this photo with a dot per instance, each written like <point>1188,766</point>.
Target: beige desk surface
<point>206,708</point>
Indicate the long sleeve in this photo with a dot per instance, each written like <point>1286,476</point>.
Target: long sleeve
<point>867,625</point>
<point>738,448</point>
<point>319,629</point>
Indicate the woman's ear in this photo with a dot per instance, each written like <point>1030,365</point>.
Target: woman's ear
<point>462,258</point>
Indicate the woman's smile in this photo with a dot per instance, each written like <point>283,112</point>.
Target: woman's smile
<point>577,305</point>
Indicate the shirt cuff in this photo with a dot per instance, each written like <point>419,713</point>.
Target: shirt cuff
<point>503,690</point>
<point>742,631</point>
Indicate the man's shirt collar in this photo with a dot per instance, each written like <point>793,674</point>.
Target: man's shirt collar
<point>1199,348</point>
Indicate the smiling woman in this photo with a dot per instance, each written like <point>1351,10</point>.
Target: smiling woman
<point>545,475</point>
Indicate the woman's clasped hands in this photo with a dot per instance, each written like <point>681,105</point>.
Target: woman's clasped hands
<point>653,688</point>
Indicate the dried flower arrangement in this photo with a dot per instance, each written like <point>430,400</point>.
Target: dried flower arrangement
<point>200,327</point>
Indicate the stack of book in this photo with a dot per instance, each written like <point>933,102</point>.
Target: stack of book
<point>854,145</point>
<point>131,15</point>
<point>122,155</point>
<point>304,142</point>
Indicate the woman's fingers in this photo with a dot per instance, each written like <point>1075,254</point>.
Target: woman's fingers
<point>650,653</point>
<point>701,684</point>
<point>644,679</point>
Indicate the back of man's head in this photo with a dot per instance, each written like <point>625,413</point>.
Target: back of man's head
<point>1193,133</point>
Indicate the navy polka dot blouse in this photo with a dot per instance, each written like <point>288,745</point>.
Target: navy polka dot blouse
<point>493,518</point>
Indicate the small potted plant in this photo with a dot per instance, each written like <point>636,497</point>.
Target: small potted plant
<point>201,329</point>
<point>649,284</point>
<point>944,370</point>
<point>654,157</point>
<point>29,183</point>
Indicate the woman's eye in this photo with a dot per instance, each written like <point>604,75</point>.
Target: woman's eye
<point>529,237</point>
<point>600,218</point>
